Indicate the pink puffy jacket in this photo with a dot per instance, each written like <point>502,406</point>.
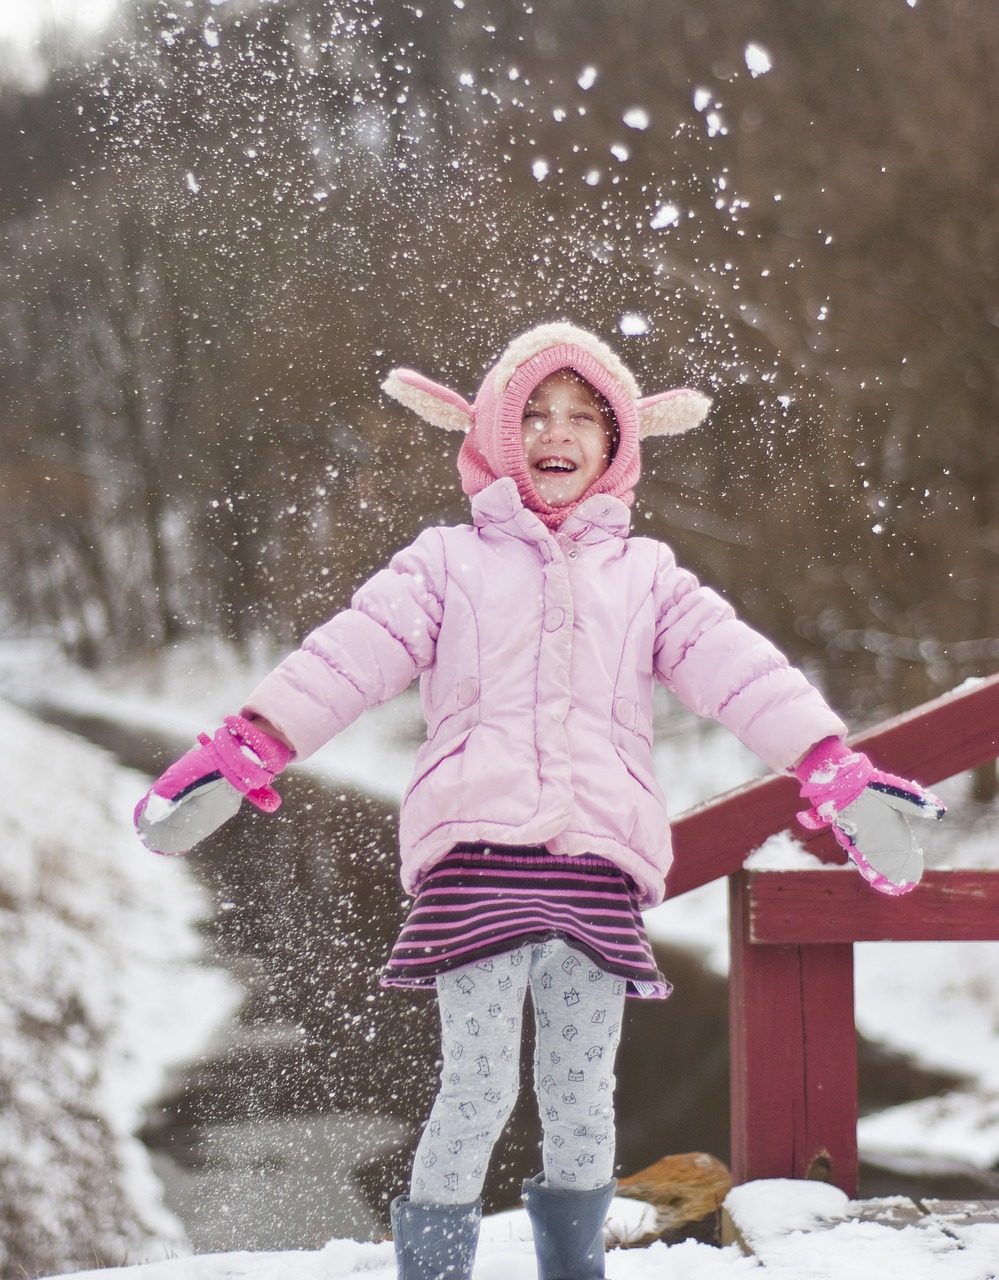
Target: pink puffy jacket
<point>537,651</point>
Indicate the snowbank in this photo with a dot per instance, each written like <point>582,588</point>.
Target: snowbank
<point>101,993</point>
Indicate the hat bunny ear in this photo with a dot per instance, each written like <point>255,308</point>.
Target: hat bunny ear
<point>670,413</point>
<point>438,405</point>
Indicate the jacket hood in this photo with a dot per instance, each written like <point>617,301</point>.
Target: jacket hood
<point>493,447</point>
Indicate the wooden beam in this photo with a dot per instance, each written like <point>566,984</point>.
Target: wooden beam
<point>939,739</point>
<point>934,741</point>
<point>793,1053</point>
<point>714,839</point>
<point>839,907</point>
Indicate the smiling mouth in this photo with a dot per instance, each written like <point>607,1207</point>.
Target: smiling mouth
<point>560,465</point>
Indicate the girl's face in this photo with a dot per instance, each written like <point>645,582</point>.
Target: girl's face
<point>569,437</point>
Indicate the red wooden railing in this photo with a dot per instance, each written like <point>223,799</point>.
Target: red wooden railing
<point>791,1016</point>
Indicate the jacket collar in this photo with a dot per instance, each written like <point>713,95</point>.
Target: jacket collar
<point>601,516</point>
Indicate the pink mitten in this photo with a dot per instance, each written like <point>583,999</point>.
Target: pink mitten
<point>206,786</point>
<point>868,812</point>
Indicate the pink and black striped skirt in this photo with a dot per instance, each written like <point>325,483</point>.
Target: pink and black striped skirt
<point>481,900</point>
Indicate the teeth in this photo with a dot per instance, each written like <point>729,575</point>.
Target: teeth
<point>554,465</point>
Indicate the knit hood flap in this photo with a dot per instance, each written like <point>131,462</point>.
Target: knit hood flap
<point>493,445</point>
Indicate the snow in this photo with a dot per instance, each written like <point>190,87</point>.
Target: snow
<point>667,215</point>
<point>794,1209</point>
<point>796,1230</point>
<point>783,853</point>
<point>938,1127</point>
<point>631,324</point>
<point>83,889</point>
<point>637,118</point>
<point>102,993</point>
<point>758,61</point>
<point>802,1229</point>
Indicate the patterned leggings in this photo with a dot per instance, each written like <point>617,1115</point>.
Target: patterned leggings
<point>578,1009</point>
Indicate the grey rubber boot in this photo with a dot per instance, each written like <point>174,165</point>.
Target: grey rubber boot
<point>435,1241</point>
<point>568,1229</point>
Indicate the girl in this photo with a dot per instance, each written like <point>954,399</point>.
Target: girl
<point>534,831</point>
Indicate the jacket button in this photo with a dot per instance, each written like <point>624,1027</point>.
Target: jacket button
<point>624,713</point>
<point>571,554</point>
<point>468,691</point>
<point>554,619</point>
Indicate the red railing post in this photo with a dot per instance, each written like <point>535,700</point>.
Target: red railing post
<point>793,1055</point>
<point>793,1039</point>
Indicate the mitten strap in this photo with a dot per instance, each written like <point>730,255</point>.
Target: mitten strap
<point>832,777</point>
<point>248,759</point>
<point>273,753</point>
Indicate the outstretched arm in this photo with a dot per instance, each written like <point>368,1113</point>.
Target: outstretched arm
<point>359,658</point>
<point>721,668</point>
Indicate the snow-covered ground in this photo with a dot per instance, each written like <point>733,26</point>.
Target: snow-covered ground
<point>796,1231</point>
<point>146,1002</point>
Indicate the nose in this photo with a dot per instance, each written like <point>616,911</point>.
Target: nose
<point>557,427</point>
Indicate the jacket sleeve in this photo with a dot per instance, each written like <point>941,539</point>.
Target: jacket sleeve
<point>362,656</point>
<point>720,667</point>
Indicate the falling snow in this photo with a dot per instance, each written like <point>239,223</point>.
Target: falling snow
<point>667,215</point>
<point>234,210</point>
<point>632,324</point>
<point>637,118</point>
<point>757,60</point>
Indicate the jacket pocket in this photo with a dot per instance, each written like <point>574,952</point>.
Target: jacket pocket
<point>432,755</point>
<point>643,818</point>
<point>641,774</point>
<point>456,711</point>
<point>631,717</point>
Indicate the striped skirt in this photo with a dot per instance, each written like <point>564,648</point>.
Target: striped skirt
<point>479,901</point>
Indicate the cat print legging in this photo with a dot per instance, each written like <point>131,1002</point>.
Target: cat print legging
<point>578,1009</point>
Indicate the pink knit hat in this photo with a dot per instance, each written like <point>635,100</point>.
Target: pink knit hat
<point>494,445</point>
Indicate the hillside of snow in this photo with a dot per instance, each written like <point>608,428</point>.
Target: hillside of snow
<point>100,993</point>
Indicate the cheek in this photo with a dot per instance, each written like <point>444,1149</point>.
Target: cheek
<point>603,448</point>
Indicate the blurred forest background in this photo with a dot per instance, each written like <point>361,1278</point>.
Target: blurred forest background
<point>221,231</point>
